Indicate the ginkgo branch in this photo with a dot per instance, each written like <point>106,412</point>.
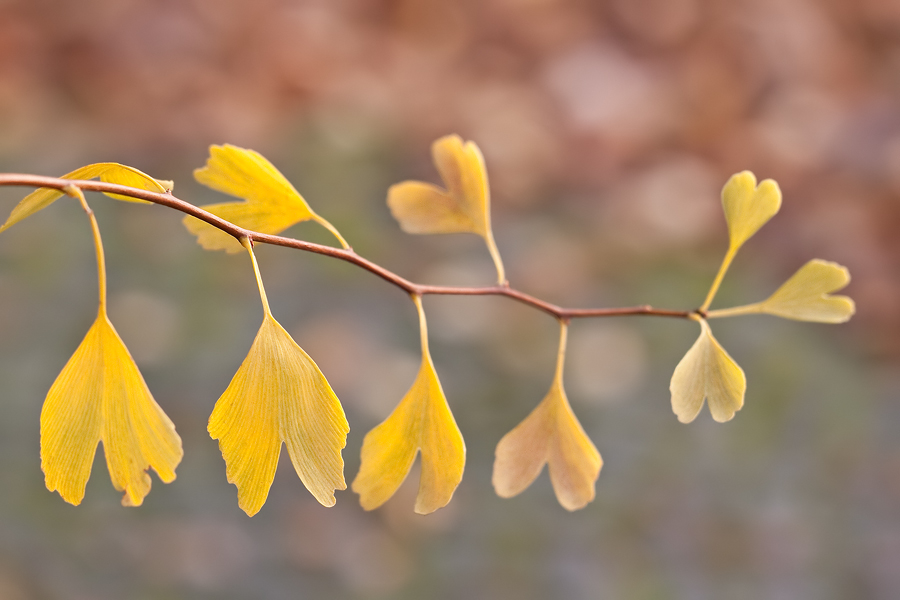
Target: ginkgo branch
<point>346,254</point>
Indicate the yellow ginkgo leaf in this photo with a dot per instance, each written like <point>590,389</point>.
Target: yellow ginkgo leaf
<point>279,395</point>
<point>108,172</point>
<point>707,372</point>
<point>550,435</point>
<point>422,421</point>
<point>806,296</point>
<point>101,396</point>
<point>271,204</point>
<point>748,206</point>
<point>463,207</point>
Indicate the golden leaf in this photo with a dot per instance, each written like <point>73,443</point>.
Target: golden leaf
<point>707,372</point>
<point>550,435</point>
<point>748,206</point>
<point>101,396</point>
<point>271,204</point>
<point>806,296</point>
<point>422,421</point>
<point>108,172</point>
<point>463,207</point>
<point>279,395</point>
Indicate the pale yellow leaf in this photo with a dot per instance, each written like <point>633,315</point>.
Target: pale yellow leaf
<point>551,435</point>
<point>101,396</point>
<point>707,372</point>
<point>108,172</point>
<point>748,206</point>
<point>271,204</point>
<point>279,395</point>
<point>464,206</point>
<point>806,296</point>
<point>422,421</point>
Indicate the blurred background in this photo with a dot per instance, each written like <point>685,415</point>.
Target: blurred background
<point>608,129</point>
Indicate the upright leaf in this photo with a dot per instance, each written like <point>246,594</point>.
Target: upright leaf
<point>748,206</point>
<point>108,172</point>
<point>271,204</point>
<point>463,207</point>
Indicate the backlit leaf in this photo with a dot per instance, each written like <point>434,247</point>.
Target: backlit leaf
<point>271,204</point>
<point>550,435</point>
<point>101,396</point>
<point>279,395</point>
<point>806,296</point>
<point>748,206</point>
<point>108,172</point>
<point>462,207</point>
<point>707,372</point>
<point>422,421</point>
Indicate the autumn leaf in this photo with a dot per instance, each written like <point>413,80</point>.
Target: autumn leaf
<point>462,207</point>
<point>279,395</point>
<point>421,422</point>
<point>707,372</point>
<point>747,207</point>
<point>108,172</point>
<point>550,435</point>
<point>270,203</point>
<point>100,395</point>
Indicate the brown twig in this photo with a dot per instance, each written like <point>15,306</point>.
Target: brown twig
<point>167,199</point>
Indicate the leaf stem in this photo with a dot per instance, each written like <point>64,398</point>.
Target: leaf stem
<point>324,223</point>
<point>495,255</point>
<point>76,192</point>
<point>747,309</point>
<point>423,326</point>
<point>726,262</point>
<point>561,352</point>
<point>246,243</point>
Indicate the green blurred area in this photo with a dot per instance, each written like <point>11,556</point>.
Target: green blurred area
<point>608,129</point>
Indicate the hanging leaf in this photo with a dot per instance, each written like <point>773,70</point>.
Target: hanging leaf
<point>422,421</point>
<point>550,435</point>
<point>707,372</point>
<point>279,395</point>
<point>108,172</point>
<point>101,396</point>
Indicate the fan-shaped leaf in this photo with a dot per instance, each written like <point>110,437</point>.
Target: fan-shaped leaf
<point>108,172</point>
<point>707,372</point>
<point>550,435</point>
<point>279,395</point>
<point>101,396</point>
